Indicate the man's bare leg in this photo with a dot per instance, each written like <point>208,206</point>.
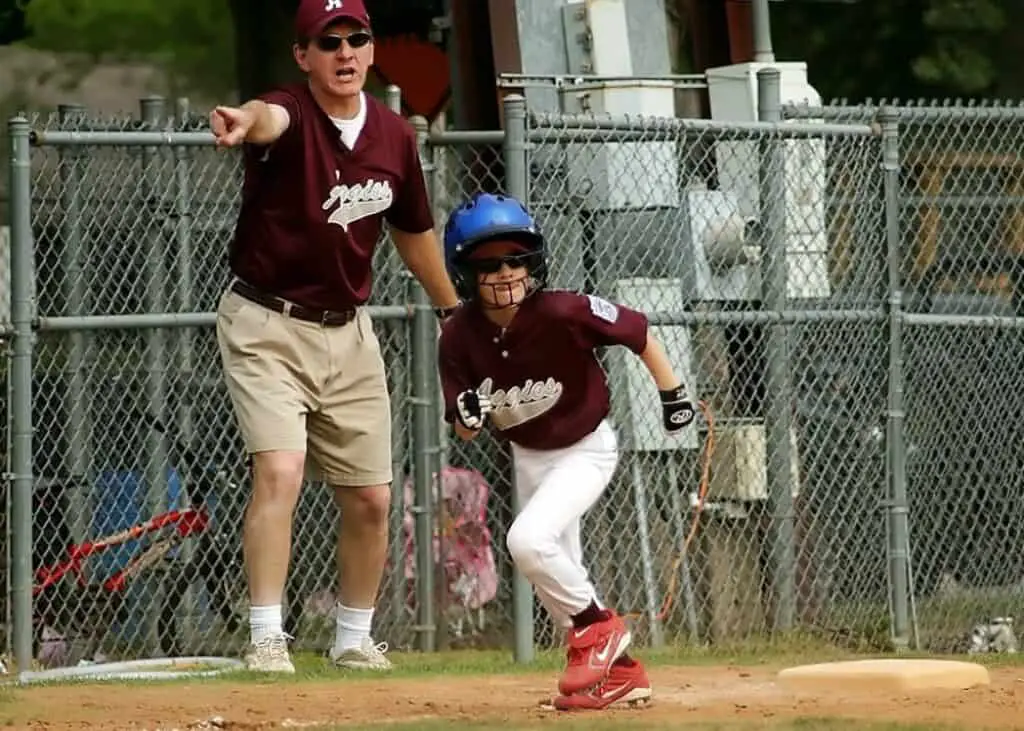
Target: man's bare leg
<point>266,543</point>
<point>362,556</point>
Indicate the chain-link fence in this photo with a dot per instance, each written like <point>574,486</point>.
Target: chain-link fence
<point>960,207</point>
<point>838,286</point>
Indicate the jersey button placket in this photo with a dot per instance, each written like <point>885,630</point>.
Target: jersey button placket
<point>500,340</point>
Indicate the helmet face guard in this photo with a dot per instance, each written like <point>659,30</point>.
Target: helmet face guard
<point>486,218</point>
<point>501,294</point>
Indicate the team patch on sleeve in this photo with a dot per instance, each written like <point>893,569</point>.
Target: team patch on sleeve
<point>603,309</point>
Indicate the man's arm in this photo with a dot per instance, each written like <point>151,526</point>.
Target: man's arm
<point>269,121</point>
<point>421,253</point>
<point>256,122</point>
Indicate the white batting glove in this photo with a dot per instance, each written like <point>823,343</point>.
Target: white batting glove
<point>472,409</point>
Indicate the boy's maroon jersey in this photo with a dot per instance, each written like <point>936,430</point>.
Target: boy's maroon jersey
<point>541,374</point>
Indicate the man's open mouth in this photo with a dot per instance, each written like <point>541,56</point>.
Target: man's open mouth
<point>345,73</point>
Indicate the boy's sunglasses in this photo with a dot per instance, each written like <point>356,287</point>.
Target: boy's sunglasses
<point>490,265</point>
<point>332,42</point>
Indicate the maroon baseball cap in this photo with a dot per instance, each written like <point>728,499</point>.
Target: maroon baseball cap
<point>315,15</point>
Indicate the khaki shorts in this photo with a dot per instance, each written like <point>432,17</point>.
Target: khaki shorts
<point>298,386</point>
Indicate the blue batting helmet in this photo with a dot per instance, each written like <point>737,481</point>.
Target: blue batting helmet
<point>486,217</point>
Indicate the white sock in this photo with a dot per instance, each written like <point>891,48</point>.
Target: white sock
<point>352,627</point>
<point>265,622</point>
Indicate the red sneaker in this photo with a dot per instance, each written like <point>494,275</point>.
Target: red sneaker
<point>592,650</point>
<point>625,685</point>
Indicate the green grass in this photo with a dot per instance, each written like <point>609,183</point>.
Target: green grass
<point>313,667</point>
<point>794,650</point>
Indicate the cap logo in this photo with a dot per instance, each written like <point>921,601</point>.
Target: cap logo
<point>332,5</point>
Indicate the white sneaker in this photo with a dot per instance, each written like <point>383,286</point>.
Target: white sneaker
<point>269,655</point>
<point>368,656</point>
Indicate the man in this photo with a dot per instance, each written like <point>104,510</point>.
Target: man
<point>324,164</point>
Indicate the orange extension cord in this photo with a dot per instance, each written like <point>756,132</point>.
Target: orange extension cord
<point>702,492</point>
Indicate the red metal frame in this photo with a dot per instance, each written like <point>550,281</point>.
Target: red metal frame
<point>185,522</point>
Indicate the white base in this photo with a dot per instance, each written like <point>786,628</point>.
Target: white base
<point>886,674</point>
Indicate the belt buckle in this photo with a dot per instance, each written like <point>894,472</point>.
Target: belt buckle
<point>328,319</point>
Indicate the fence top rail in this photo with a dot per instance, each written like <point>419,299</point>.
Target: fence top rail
<point>584,82</point>
<point>140,138</point>
<point>914,113</point>
<point>65,138</point>
<point>677,126</point>
<point>467,137</point>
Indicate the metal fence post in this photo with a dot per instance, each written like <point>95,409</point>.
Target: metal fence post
<point>74,253</point>
<point>152,110</point>
<point>398,375</point>
<point>424,367</point>
<point>185,337</point>
<point>393,98</point>
<point>22,315</point>
<point>184,258</point>
<point>517,185</point>
<point>437,436</point>
<point>778,418</point>
<point>898,531</point>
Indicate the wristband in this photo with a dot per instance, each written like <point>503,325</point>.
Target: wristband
<point>444,313</point>
<point>673,394</point>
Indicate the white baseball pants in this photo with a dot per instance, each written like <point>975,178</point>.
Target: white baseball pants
<point>555,488</point>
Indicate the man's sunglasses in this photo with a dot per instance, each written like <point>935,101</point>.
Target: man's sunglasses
<point>331,42</point>
<point>490,265</point>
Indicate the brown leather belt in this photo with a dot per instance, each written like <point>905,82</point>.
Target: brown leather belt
<point>326,318</point>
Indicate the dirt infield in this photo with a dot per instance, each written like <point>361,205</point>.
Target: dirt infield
<point>682,695</point>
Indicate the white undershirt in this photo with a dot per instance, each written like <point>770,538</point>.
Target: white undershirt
<point>350,128</point>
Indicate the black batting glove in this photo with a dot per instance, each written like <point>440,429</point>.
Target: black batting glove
<point>676,410</point>
<point>471,409</point>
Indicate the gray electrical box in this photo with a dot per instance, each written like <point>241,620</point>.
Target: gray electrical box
<point>722,247</point>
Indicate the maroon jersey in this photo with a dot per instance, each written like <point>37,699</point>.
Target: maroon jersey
<point>541,373</point>
<point>312,209</point>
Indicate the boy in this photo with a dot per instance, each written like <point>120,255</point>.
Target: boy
<point>522,357</point>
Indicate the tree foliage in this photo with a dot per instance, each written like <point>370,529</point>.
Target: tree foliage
<point>960,53</point>
<point>894,49</point>
<point>12,21</point>
<point>191,39</point>
<point>865,49</point>
<point>263,33</point>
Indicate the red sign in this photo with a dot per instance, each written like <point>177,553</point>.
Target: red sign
<point>417,67</point>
